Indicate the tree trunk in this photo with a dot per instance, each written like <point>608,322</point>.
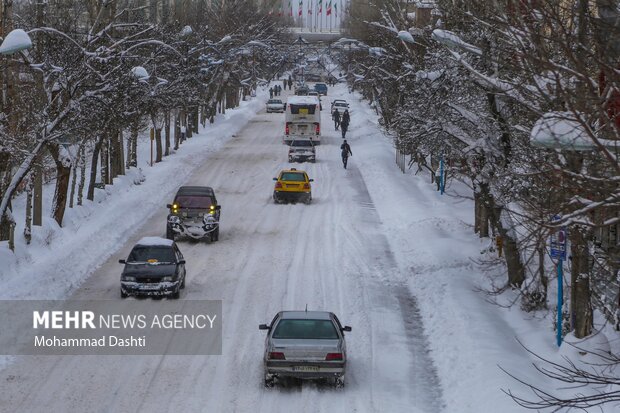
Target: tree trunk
<point>196,120</point>
<point>113,155</point>
<point>167,132</point>
<point>28,225</point>
<point>80,195</point>
<point>63,173</point>
<point>93,168</point>
<point>105,159</point>
<point>158,145</point>
<point>177,131</point>
<point>135,130</point>
<point>580,305</point>
<point>74,177</point>
<point>121,153</point>
<point>5,177</point>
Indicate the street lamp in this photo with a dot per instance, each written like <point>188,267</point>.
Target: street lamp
<point>16,41</point>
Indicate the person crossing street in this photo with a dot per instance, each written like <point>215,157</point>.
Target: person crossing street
<point>344,123</point>
<point>336,117</point>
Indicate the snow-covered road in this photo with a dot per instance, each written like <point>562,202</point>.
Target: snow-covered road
<point>331,255</point>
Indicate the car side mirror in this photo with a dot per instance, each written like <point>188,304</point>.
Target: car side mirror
<point>182,262</point>
<point>310,180</point>
<point>168,206</point>
<point>263,327</point>
<point>122,262</point>
<point>218,207</point>
<point>346,328</point>
<point>275,179</point>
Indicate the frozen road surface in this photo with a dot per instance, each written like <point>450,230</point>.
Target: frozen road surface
<point>331,255</point>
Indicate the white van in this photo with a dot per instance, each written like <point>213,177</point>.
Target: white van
<point>303,119</point>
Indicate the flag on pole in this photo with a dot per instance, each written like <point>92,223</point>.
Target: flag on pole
<point>328,12</point>
<point>301,7</point>
<point>290,8</point>
<point>280,10</point>
<point>310,7</point>
<point>336,8</point>
<point>320,6</point>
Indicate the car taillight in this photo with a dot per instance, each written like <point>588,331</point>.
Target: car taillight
<point>306,186</point>
<point>276,355</point>
<point>318,128</point>
<point>278,184</point>
<point>286,129</point>
<point>333,356</point>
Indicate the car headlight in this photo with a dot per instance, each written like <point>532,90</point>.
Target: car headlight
<point>168,279</point>
<point>173,219</point>
<point>128,278</point>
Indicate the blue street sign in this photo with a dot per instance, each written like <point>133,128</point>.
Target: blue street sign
<point>557,242</point>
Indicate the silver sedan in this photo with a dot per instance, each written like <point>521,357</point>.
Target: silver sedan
<point>305,345</point>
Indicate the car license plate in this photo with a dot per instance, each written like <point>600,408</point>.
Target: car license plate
<point>303,111</point>
<point>149,287</point>
<point>292,185</point>
<point>305,368</point>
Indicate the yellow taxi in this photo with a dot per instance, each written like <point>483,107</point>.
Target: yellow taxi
<point>292,185</point>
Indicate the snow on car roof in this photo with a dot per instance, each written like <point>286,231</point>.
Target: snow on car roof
<point>311,315</point>
<point>303,100</point>
<point>155,241</point>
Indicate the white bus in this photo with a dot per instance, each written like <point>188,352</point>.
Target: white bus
<point>303,119</point>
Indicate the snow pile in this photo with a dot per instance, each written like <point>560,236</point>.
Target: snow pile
<point>560,130</point>
<point>452,40</point>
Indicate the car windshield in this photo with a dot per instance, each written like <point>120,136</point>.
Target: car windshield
<point>302,109</point>
<point>152,254</point>
<point>301,143</point>
<point>293,176</point>
<point>193,201</point>
<point>340,104</point>
<point>305,329</point>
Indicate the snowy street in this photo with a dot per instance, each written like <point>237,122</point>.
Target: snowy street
<point>331,255</point>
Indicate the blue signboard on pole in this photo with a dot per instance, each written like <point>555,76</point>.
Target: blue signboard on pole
<point>557,246</point>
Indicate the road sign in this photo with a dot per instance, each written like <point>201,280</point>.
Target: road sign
<point>557,242</point>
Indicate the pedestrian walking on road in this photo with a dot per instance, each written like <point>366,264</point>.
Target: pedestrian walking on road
<point>284,83</point>
<point>290,83</point>
<point>270,93</point>
<point>346,152</point>
<point>344,123</point>
<point>336,117</point>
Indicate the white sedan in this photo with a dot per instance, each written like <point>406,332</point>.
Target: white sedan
<point>275,105</point>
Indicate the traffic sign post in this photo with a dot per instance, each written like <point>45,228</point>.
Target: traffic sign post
<point>557,246</point>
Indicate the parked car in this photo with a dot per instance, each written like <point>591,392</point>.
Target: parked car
<point>302,150</point>
<point>321,88</point>
<point>292,185</point>
<point>275,105</point>
<point>194,213</point>
<point>155,267</point>
<point>339,106</point>
<point>305,345</point>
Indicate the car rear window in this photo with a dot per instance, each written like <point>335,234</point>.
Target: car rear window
<point>152,254</point>
<point>293,176</point>
<point>192,201</point>
<point>275,101</point>
<point>305,329</point>
<point>301,143</point>
<point>302,109</point>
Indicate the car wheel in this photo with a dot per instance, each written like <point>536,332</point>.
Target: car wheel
<point>216,234</point>
<point>270,380</point>
<point>124,294</point>
<point>183,283</point>
<point>169,233</point>
<point>339,382</point>
<point>308,200</point>
<point>177,294</point>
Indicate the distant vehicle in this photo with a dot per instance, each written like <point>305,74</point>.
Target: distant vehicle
<point>302,119</point>
<point>339,106</point>
<point>305,345</point>
<point>292,185</point>
<point>302,90</point>
<point>155,267</point>
<point>321,88</point>
<point>316,94</point>
<point>339,100</point>
<point>275,105</point>
<point>194,213</point>
<point>302,150</point>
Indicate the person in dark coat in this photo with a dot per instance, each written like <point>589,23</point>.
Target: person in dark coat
<point>336,117</point>
<point>270,93</point>
<point>346,152</point>
<point>344,123</point>
<point>284,83</point>
<point>290,84</point>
